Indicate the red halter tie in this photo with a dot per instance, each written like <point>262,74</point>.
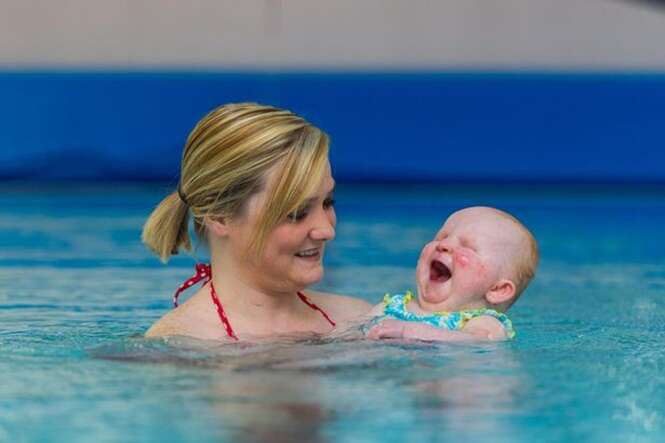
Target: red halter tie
<point>204,273</point>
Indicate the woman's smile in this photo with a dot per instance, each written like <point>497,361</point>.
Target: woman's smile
<point>311,254</point>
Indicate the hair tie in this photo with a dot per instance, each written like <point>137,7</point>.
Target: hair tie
<point>181,195</point>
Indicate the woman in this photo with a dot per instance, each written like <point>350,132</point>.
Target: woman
<point>256,180</point>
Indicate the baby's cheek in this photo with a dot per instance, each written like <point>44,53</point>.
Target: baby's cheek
<point>422,267</point>
<point>470,262</point>
<point>426,253</point>
<point>427,250</point>
<point>463,259</point>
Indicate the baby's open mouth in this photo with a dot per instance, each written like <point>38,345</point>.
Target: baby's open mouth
<point>439,272</point>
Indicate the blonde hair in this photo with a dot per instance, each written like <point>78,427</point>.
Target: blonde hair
<point>526,263</point>
<point>226,160</point>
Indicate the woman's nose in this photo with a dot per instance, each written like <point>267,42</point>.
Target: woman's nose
<point>324,228</point>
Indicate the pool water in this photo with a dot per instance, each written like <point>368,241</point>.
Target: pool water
<point>77,289</point>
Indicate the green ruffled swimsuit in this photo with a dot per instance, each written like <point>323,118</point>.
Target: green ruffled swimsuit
<point>454,321</point>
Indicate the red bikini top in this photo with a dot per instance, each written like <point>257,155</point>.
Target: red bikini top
<point>204,273</point>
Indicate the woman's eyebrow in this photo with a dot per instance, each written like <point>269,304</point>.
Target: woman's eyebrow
<point>308,201</point>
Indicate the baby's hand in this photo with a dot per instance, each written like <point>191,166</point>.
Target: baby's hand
<point>387,329</point>
<point>407,330</point>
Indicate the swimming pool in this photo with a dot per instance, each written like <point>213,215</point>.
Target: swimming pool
<point>77,287</point>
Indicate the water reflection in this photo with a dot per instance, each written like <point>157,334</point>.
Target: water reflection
<point>474,395</point>
<point>271,407</point>
<point>331,391</point>
<point>327,390</point>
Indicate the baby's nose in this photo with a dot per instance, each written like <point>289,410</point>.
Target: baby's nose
<point>443,246</point>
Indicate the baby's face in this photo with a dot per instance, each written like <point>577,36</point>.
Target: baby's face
<point>472,251</point>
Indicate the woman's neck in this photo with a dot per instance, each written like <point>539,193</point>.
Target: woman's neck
<point>257,310</point>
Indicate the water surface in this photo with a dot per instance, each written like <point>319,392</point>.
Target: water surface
<point>77,289</point>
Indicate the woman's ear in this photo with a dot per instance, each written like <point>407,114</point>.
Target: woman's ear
<point>218,226</point>
<point>501,292</point>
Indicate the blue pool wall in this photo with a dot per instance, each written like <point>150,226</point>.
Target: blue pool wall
<point>429,127</point>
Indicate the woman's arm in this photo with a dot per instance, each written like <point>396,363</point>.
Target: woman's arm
<point>348,313</point>
<point>341,308</point>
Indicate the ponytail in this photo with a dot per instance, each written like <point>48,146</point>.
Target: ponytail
<point>166,230</point>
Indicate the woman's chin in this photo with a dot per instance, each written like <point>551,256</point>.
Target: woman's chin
<point>311,277</point>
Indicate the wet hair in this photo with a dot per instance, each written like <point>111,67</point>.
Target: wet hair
<point>527,263</point>
<point>226,161</point>
<point>526,258</point>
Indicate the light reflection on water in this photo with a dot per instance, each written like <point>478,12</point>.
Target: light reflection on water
<point>76,288</point>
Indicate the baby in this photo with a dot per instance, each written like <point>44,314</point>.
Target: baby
<point>478,264</point>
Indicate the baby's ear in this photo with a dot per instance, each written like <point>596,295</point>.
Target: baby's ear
<point>218,226</point>
<point>501,292</point>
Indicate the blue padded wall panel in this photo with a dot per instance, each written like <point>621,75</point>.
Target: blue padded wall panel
<point>430,127</point>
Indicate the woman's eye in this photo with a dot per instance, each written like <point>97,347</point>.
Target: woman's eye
<point>297,216</point>
<point>302,213</point>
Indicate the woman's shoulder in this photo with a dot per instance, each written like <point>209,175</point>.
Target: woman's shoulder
<point>188,320</point>
<point>169,324</point>
<point>340,307</point>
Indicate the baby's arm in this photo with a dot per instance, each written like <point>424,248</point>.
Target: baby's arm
<point>485,327</point>
<point>478,329</point>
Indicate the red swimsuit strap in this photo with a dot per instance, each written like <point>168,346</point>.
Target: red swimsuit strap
<point>204,273</point>
<point>304,298</point>
<point>221,313</point>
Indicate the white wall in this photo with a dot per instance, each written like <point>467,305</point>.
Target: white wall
<point>332,34</point>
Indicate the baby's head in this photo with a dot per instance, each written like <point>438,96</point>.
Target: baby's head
<point>481,258</point>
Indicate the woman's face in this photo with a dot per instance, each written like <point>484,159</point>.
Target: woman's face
<point>293,251</point>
